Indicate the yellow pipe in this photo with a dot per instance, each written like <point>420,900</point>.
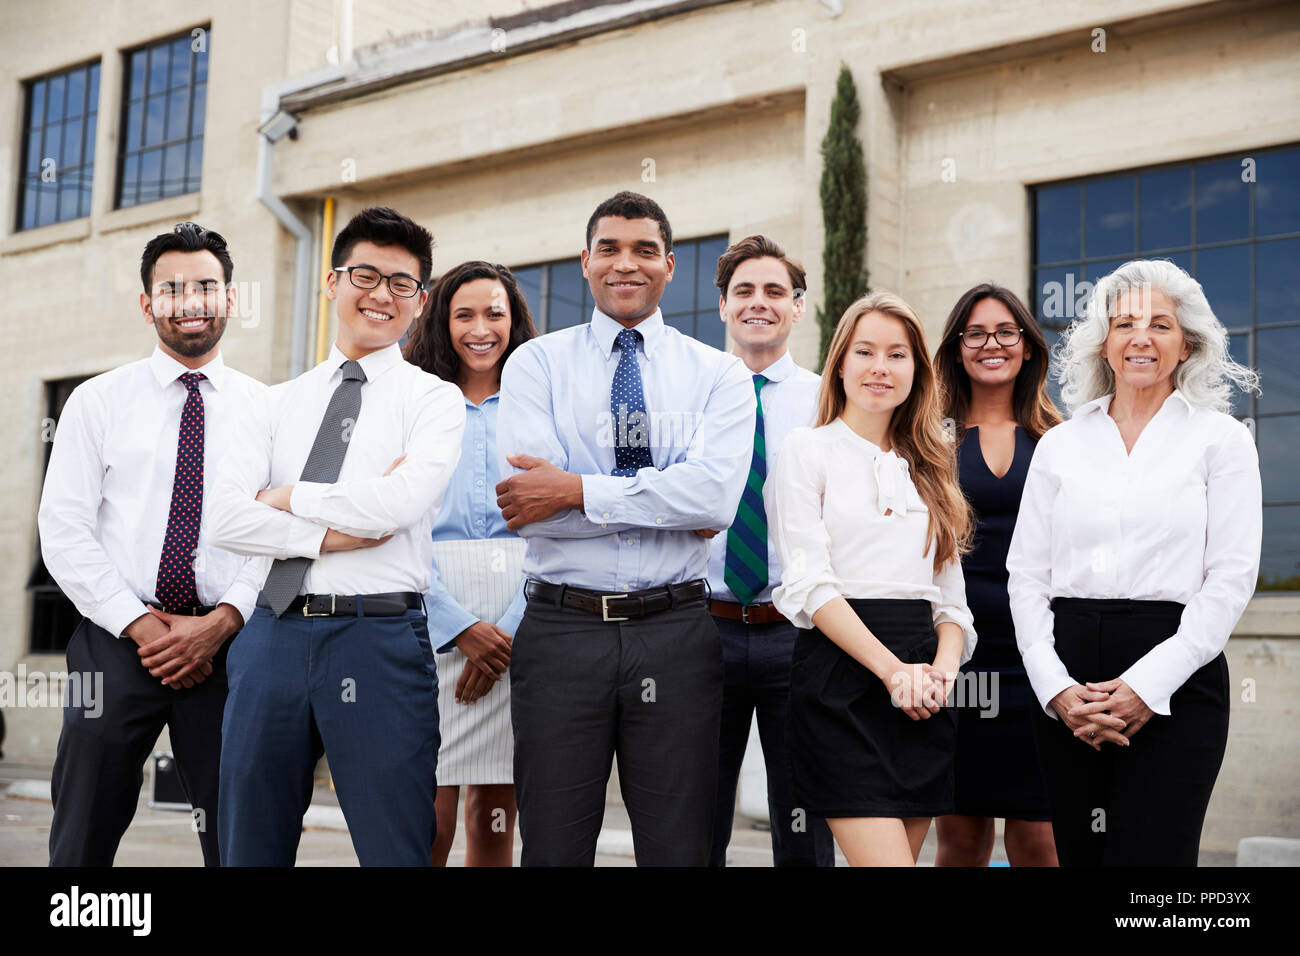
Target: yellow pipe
<point>323,302</point>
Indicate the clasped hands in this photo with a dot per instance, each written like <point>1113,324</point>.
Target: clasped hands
<point>919,690</point>
<point>178,648</point>
<point>1102,711</point>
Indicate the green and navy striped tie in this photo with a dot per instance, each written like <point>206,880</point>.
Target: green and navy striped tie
<point>745,568</point>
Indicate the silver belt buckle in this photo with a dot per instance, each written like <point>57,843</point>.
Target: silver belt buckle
<point>307,603</point>
<point>604,607</point>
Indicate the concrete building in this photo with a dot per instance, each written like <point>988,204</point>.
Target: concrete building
<point>1000,141</point>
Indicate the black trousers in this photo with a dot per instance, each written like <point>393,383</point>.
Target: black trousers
<point>1141,805</point>
<point>99,767</point>
<point>583,690</point>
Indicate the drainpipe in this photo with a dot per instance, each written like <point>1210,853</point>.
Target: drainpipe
<point>302,233</point>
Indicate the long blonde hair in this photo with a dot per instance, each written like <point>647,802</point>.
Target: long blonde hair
<point>915,429</point>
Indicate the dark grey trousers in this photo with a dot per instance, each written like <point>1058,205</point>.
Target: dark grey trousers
<point>648,690</point>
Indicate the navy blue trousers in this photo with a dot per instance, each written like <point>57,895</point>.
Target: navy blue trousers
<point>363,691</point>
<point>756,677</point>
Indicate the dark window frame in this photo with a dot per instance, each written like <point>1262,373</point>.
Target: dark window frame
<point>84,167</point>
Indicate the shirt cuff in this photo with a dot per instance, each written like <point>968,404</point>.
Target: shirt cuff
<point>304,500</point>
<point>1047,675</point>
<point>1149,679</point>
<point>446,621</point>
<point>117,613</point>
<point>305,539</point>
<point>601,497</point>
<point>242,597</point>
<point>800,612</point>
<point>964,620</point>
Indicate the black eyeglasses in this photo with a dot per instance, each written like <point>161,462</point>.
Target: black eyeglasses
<point>364,277</point>
<point>975,338</point>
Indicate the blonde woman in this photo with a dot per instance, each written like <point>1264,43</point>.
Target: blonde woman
<point>1135,552</point>
<point>870,526</point>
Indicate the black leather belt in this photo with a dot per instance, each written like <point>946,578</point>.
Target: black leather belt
<point>614,605</point>
<point>391,604</point>
<point>197,610</point>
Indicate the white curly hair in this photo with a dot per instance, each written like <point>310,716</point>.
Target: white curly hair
<point>1207,378</point>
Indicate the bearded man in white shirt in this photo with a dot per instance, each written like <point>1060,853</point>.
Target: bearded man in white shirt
<point>125,531</point>
<point>335,487</point>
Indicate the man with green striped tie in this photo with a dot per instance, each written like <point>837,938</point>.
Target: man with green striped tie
<point>761,299</point>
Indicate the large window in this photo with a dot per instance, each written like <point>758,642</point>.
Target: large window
<point>164,98</point>
<point>58,157</point>
<point>559,297</point>
<point>1234,223</point>
<point>54,617</point>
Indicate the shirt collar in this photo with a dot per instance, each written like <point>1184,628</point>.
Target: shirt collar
<point>779,370</point>
<point>167,370</point>
<point>1103,404</point>
<point>491,398</point>
<point>606,330</point>
<point>374,365</point>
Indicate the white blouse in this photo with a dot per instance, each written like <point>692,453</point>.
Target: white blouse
<point>826,501</point>
<point>1178,519</point>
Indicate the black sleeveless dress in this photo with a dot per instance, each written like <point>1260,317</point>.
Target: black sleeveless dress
<point>996,768</point>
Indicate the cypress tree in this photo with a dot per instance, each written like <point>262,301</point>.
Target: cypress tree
<point>844,210</point>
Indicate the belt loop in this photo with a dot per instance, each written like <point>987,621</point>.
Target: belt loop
<point>360,608</point>
<point>672,599</point>
<point>559,598</point>
<point>708,591</point>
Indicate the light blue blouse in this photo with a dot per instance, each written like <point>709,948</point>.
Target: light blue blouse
<point>469,511</point>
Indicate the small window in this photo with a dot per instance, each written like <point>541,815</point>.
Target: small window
<point>164,101</point>
<point>58,153</point>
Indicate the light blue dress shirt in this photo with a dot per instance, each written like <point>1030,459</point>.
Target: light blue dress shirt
<point>633,532</point>
<point>789,402</point>
<point>469,511</point>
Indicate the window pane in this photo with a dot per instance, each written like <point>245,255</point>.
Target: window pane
<point>1279,374</point>
<point>1102,267</point>
<point>174,170</point>
<point>1279,456</point>
<point>158,64</point>
<point>130,179</point>
<point>180,61</point>
<point>194,176</point>
<point>178,105</point>
<point>36,116</point>
<point>200,104</point>
<point>88,156</point>
<point>134,115</point>
<point>58,85</point>
<point>47,204</point>
<point>53,148</point>
<point>565,307</point>
<point>150,175</point>
<point>530,284</point>
<point>1222,210</point>
<point>1225,275</point>
<point>1057,223</point>
<point>84,192</point>
<point>1239,350</point>
<point>710,329</point>
<point>153,123</point>
<point>683,323</point>
<point>1058,296</point>
<point>1109,219</point>
<point>33,167</point>
<point>92,98</point>
<point>201,58</point>
<point>139,59</point>
<point>69,198</point>
<point>76,93</point>
<point>1166,208</point>
<point>29,205</point>
<point>679,295</point>
<point>1277,295</point>
<point>1279,564</point>
<point>71,143</point>
<point>1277,193</point>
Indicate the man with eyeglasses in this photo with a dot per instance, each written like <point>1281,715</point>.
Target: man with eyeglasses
<point>125,525</point>
<point>335,488</point>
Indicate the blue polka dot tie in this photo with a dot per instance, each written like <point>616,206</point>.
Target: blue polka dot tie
<point>176,588</point>
<point>627,404</point>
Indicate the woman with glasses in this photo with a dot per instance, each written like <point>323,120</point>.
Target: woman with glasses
<point>1135,553</point>
<point>474,319</point>
<point>992,366</point>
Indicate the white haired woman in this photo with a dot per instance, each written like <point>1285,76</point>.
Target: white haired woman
<point>1135,552</point>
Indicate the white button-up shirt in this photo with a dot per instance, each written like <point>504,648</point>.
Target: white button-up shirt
<point>1178,519</point>
<point>404,410</point>
<point>108,488</point>
<point>826,502</point>
<point>789,401</point>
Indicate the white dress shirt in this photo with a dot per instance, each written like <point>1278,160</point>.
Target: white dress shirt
<point>789,401</point>
<point>826,502</point>
<point>108,488</point>
<point>634,532</point>
<point>1178,519</point>
<point>404,410</point>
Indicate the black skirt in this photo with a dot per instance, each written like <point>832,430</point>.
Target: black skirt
<point>852,751</point>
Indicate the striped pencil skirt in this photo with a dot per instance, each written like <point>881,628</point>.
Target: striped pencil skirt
<point>483,575</point>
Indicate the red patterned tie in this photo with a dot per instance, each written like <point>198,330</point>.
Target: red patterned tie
<point>176,588</point>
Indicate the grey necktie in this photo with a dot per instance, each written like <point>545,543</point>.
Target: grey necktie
<point>323,464</point>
